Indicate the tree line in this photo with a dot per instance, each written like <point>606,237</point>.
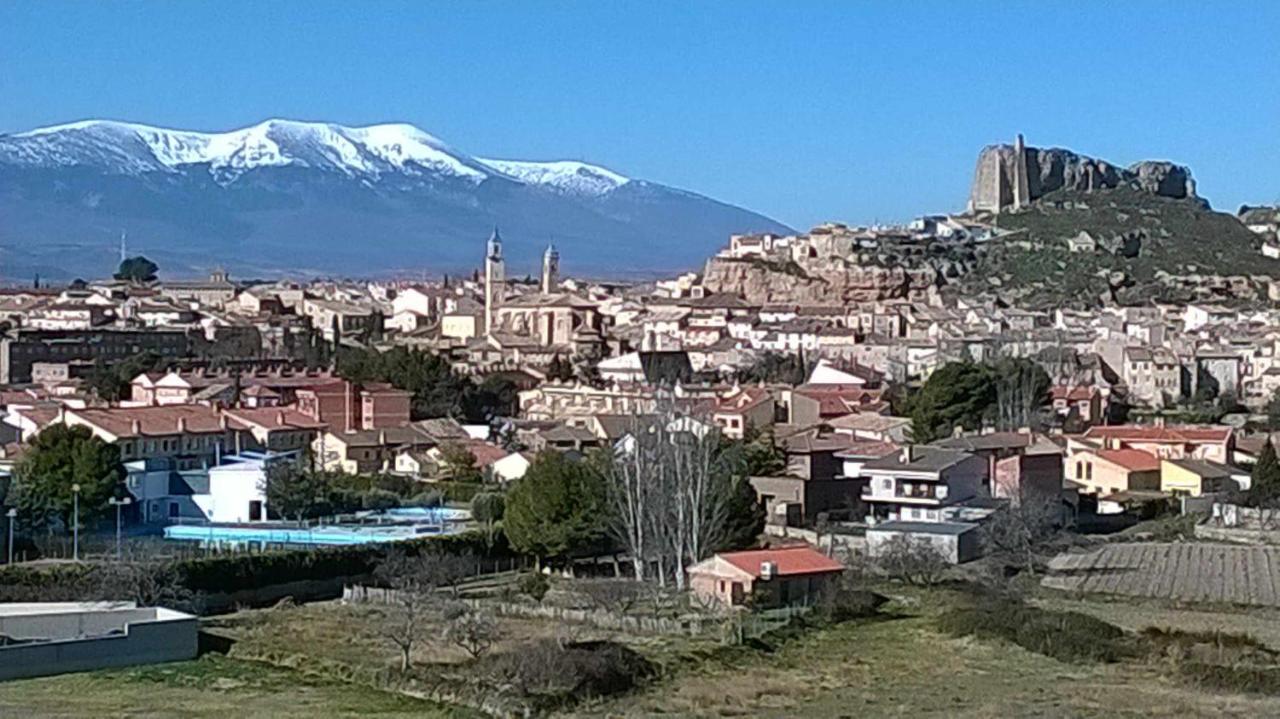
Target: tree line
<point>437,390</point>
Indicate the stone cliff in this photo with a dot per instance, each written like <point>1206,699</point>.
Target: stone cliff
<point>1005,172</point>
<point>834,282</point>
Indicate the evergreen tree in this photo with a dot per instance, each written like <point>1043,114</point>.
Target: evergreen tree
<point>59,457</point>
<point>137,269</point>
<point>558,507</point>
<point>1264,487</point>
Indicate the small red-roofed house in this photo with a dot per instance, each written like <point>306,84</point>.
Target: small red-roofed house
<point>1108,471</point>
<point>778,577</point>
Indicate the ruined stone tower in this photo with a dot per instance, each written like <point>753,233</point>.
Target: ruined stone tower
<point>1020,183</point>
<point>1002,178</point>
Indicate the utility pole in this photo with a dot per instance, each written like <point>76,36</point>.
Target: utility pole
<point>119,505</point>
<point>13,516</point>
<point>75,522</point>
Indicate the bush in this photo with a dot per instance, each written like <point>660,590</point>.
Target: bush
<point>560,675</point>
<point>426,498</point>
<point>379,500</point>
<point>1065,636</point>
<point>535,585</point>
<point>914,561</point>
<point>843,605</point>
<point>460,492</point>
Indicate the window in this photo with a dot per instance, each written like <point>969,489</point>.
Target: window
<point>1088,470</point>
<point>886,483</point>
<point>915,514</point>
<point>1079,470</point>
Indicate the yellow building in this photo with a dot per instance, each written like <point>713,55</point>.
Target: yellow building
<point>1196,477</point>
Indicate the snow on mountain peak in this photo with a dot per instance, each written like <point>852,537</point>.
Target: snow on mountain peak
<point>563,175</point>
<point>366,152</point>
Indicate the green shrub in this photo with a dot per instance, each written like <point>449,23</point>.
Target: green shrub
<point>379,500</point>
<point>535,585</point>
<point>849,604</point>
<point>460,492</point>
<point>1065,636</point>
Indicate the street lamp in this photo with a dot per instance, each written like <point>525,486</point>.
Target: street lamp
<point>12,514</point>
<point>119,504</point>
<point>75,522</point>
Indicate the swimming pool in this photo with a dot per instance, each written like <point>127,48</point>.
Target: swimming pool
<point>333,535</point>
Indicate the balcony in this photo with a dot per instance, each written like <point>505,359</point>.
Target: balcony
<point>927,491</point>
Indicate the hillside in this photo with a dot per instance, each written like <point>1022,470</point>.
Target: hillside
<point>1149,247</point>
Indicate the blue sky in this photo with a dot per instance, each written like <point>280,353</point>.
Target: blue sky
<point>806,111</point>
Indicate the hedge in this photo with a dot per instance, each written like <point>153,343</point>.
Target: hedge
<point>236,572</point>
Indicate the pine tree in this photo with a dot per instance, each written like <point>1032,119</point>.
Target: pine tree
<point>1265,485</point>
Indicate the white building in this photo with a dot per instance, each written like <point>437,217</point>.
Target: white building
<point>233,491</point>
<point>917,483</point>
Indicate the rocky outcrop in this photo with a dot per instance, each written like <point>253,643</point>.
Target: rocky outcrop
<point>836,282</point>
<point>1012,176</point>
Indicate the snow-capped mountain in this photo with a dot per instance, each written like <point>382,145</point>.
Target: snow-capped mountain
<point>368,152</point>
<point>357,199</point>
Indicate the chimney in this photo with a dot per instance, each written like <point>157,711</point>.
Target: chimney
<point>222,422</point>
<point>135,427</point>
<point>382,438</point>
<point>182,425</point>
<point>280,418</point>
<point>767,571</point>
<point>908,453</point>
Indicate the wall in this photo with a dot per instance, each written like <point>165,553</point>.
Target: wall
<point>144,642</point>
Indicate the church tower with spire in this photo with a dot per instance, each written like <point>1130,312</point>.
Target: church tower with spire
<point>495,280</point>
<point>550,270</point>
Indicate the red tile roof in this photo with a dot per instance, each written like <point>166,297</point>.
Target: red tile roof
<point>1073,394</point>
<point>275,418</point>
<point>119,421</point>
<point>790,561</point>
<point>1160,434</point>
<point>1134,460</point>
<point>485,453</point>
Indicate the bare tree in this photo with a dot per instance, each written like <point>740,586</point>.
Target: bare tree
<point>416,580</point>
<point>473,631</point>
<point>1018,530</point>
<point>912,560</point>
<point>618,596</point>
<point>146,583</point>
<point>672,485</point>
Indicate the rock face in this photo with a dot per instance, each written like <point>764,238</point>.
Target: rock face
<point>1012,176</point>
<point>836,282</point>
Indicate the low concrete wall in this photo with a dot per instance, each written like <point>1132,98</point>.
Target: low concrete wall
<point>848,544</point>
<point>138,636</point>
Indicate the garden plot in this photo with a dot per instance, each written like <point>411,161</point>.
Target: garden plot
<point>1184,572</point>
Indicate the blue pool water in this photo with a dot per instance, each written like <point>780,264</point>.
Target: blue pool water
<point>394,525</point>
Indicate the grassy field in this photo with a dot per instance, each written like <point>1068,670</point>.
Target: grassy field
<point>214,686</point>
<point>898,664</point>
<point>904,667</point>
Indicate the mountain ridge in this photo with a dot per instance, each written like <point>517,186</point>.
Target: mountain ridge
<point>253,197</point>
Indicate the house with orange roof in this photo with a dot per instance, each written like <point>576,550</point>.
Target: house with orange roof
<point>1103,472</point>
<point>1214,443</point>
<point>776,577</point>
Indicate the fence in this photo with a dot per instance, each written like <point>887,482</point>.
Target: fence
<point>662,626</point>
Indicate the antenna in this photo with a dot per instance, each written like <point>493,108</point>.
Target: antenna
<point>124,251</point>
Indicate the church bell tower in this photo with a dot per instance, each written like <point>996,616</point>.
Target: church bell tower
<point>495,280</point>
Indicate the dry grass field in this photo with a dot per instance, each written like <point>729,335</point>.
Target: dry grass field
<point>213,687</point>
<point>904,667</point>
